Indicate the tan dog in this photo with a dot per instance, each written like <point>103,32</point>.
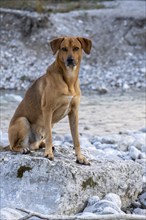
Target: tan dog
<point>50,98</point>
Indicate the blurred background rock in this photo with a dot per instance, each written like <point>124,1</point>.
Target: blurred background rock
<point>117,29</point>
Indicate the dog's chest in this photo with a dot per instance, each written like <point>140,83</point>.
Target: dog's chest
<point>63,108</point>
<point>67,105</point>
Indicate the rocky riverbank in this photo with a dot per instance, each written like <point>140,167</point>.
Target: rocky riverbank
<point>114,186</point>
<point>117,60</point>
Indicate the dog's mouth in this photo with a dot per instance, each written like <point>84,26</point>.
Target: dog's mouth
<point>71,66</point>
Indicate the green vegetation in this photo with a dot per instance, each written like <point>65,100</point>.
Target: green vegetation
<point>22,170</point>
<point>89,182</point>
<point>6,148</point>
<point>24,78</point>
<point>51,5</point>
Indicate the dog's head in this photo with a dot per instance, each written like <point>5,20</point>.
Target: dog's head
<point>70,49</point>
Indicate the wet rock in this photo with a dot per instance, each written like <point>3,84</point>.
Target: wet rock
<point>33,182</point>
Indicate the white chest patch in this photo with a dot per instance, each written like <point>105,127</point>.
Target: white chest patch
<point>68,106</point>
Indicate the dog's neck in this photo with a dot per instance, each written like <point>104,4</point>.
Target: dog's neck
<point>70,75</point>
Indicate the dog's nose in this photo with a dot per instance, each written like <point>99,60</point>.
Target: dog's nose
<point>70,61</point>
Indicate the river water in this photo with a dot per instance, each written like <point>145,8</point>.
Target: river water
<point>98,114</point>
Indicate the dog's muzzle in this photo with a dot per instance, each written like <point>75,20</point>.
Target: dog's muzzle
<point>70,61</point>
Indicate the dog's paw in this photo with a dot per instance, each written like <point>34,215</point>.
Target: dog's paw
<point>42,145</point>
<point>49,155</point>
<point>26,151</point>
<point>82,160</point>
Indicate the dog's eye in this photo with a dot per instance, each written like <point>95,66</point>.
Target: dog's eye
<point>64,49</point>
<point>75,49</point>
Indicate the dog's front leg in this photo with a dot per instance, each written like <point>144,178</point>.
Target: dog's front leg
<point>73,120</point>
<point>47,117</point>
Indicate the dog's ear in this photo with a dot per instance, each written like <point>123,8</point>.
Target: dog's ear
<point>86,44</point>
<point>55,44</point>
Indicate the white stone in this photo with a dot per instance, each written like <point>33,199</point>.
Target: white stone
<point>134,153</point>
<point>114,198</point>
<point>92,200</point>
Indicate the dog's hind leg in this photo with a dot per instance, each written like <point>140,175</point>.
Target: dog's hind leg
<point>19,132</point>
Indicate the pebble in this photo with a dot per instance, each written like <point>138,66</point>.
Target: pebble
<point>139,211</point>
<point>134,153</point>
<point>136,204</point>
<point>142,156</point>
<point>59,138</point>
<point>143,148</point>
<point>108,140</point>
<point>143,130</point>
<point>142,199</point>
<point>57,143</point>
<point>85,143</point>
<point>68,138</point>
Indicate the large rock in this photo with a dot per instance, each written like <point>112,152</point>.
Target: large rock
<point>62,186</point>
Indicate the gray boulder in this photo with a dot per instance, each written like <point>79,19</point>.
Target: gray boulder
<point>62,186</point>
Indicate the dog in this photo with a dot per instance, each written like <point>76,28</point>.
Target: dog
<point>51,97</point>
